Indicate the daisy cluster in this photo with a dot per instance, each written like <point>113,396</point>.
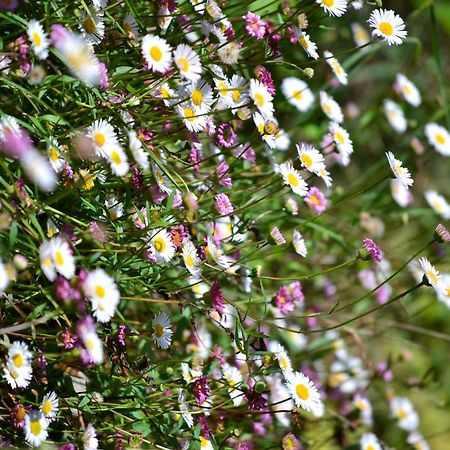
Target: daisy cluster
<point>189,234</point>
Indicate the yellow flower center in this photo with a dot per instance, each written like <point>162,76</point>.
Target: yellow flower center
<point>236,95</point>
<point>159,330</point>
<point>298,95</point>
<point>306,160</point>
<point>203,442</point>
<point>37,39</point>
<point>183,64</point>
<point>35,427</point>
<point>328,3</point>
<point>386,28</point>
<point>90,344</point>
<point>292,179</point>
<point>370,447</point>
<point>432,277</point>
<point>100,291</point>
<point>116,157</point>
<point>314,200</point>
<point>156,53</point>
<point>339,137</point>
<point>302,391</point>
<point>197,97</point>
<point>18,360</point>
<point>189,114</point>
<point>439,138</point>
<point>89,25</point>
<point>47,407</point>
<point>304,42</point>
<point>284,363</point>
<point>54,154</point>
<point>127,28</point>
<point>259,99</point>
<point>159,244</point>
<point>406,89</point>
<point>59,259</point>
<point>189,261</point>
<point>99,138</point>
<point>401,414</point>
<point>222,87</point>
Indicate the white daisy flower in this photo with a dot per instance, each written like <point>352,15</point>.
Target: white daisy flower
<point>438,203</point>
<point>336,67</point>
<point>388,26</point>
<point>140,155</point>
<point>438,137</point>
<point>103,293</point>
<point>260,123</point>
<point>62,256</point>
<point>189,374</point>
<point>369,441</point>
<point>92,26</point>
<point>35,428</point>
<point>114,207</point>
<point>233,377</point>
<point>166,93</point>
<point>162,331</point>
<point>49,406</point>
<point>400,193</point>
<point>299,243</point>
<point>190,258</point>
<point>365,408</point>
<point>162,245</point>
<point>193,120</point>
<point>304,393</point>
<point>200,95</point>
<point>18,377</point>
<point>130,26</point>
<point>80,58</point>
<point>90,441</point>
<point>188,62</point>
<point>93,345</point>
<point>54,155</point>
<point>39,170</point>
<point>297,93</point>
<point>198,286</point>
<point>118,160</point>
<point>184,408</point>
<point>282,141</point>
<point>103,137</point>
<point>325,175</point>
<point>8,124</point>
<point>283,359</point>
<point>199,6</point>
<point>309,46</point>
<point>408,90</point>
<point>310,158</point>
<point>157,53</point>
<point>38,39</point>
<point>330,107</point>
<point>431,274</point>
<point>236,94</point>
<point>360,34</point>
<point>417,440</point>
<point>19,354</point>
<point>293,179</point>
<point>56,257</point>
<point>343,142</point>
<point>404,411</point>
<point>395,116</point>
<point>205,444</point>
<point>333,7</point>
<point>261,97</point>
<point>400,172</point>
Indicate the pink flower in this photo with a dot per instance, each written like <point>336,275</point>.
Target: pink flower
<point>276,235</point>
<point>316,200</point>
<point>58,35</point>
<point>217,297</point>
<point>266,78</point>
<point>254,25</point>
<point>226,137</point>
<point>16,143</point>
<point>374,251</point>
<point>222,175</point>
<point>223,205</point>
<point>104,80</point>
